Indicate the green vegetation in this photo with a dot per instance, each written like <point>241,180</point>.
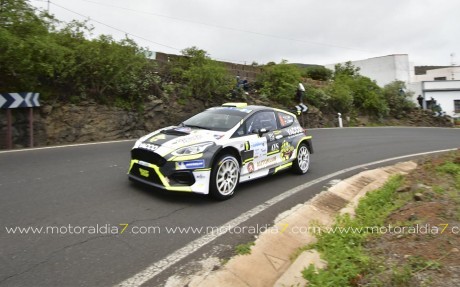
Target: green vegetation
<point>356,255</point>
<point>279,81</point>
<point>199,75</point>
<point>244,249</point>
<point>397,99</point>
<point>66,63</point>
<point>449,167</point>
<point>343,251</point>
<point>63,65</point>
<point>343,90</point>
<point>318,73</point>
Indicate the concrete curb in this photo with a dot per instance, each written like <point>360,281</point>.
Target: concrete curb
<point>270,262</point>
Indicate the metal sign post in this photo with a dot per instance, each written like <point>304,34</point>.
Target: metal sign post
<point>9,132</point>
<point>19,100</point>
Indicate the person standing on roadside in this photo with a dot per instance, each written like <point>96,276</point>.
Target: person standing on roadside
<point>420,101</point>
<point>300,93</point>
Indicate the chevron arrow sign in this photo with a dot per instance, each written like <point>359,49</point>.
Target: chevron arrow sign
<point>301,108</point>
<point>19,100</point>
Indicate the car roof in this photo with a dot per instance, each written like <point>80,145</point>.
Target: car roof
<point>258,108</point>
<point>250,109</point>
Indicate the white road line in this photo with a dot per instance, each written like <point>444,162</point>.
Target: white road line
<point>159,266</point>
<point>63,146</point>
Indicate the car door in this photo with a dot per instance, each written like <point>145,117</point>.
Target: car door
<point>261,142</point>
<point>287,135</point>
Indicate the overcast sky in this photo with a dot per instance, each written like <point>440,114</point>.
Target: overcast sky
<point>299,31</point>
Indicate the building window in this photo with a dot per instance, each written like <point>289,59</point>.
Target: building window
<point>457,106</point>
<point>440,78</point>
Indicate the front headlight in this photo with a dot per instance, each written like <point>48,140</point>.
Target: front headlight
<point>193,149</point>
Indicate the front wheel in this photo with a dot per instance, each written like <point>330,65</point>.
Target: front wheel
<point>224,177</point>
<point>302,161</point>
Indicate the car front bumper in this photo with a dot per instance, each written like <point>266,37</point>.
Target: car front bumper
<point>184,174</point>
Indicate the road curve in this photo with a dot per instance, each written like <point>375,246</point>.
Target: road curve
<point>82,188</point>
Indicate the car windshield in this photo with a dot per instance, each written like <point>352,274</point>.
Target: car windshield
<point>219,119</point>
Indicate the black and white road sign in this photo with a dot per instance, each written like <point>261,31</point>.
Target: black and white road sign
<point>301,108</point>
<point>19,100</point>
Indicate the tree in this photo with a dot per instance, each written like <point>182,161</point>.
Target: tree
<point>341,99</point>
<point>26,48</point>
<point>317,97</point>
<point>367,96</point>
<point>352,92</point>
<point>398,100</point>
<point>279,81</point>
<point>63,64</point>
<point>346,69</point>
<point>199,75</point>
<point>318,73</point>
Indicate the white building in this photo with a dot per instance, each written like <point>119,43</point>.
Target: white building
<point>442,84</point>
<point>385,69</point>
<point>441,74</point>
<point>445,93</point>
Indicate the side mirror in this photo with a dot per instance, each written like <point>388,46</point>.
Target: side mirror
<point>262,131</point>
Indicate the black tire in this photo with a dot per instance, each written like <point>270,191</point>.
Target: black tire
<point>225,176</point>
<point>301,163</point>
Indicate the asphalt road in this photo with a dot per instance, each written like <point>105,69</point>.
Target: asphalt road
<point>73,188</point>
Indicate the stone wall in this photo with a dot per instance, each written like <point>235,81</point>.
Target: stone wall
<point>56,124</point>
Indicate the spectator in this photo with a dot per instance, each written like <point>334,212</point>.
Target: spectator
<point>245,85</point>
<point>300,92</point>
<point>238,81</point>
<point>420,101</point>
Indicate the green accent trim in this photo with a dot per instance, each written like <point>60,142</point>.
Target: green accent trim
<point>248,160</point>
<point>163,179</point>
<point>186,157</point>
<point>246,146</point>
<point>284,166</point>
<point>133,161</point>
<point>301,140</point>
<point>236,105</point>
<point>165,182</point>
<point>273,152</point>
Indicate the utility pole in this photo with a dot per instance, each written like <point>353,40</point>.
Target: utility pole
<point>48,6</point>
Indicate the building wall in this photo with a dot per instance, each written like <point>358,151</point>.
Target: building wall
<point>444,92</point>
<point>451,73</point>
<point>385,69</point>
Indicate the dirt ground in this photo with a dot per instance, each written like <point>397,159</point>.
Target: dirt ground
<point>423,247</point>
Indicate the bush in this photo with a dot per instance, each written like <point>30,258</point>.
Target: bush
<point>64,65</point>
<point>279,82</point>
<point>200,76</point>
<point>398,100</point>
<point>317,97</point>
<point>318,73</point>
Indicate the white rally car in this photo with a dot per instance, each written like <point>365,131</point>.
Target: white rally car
<point>213,151</point>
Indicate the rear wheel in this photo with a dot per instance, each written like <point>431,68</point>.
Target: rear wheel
<point>302,161</point>
<point>224,177</point>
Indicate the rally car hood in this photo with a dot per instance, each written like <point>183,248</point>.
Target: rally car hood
<point>176,137</point>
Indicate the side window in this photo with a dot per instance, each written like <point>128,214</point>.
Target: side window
<point>261,120</point>
<point>285,119</point>
<point>241,131</point>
